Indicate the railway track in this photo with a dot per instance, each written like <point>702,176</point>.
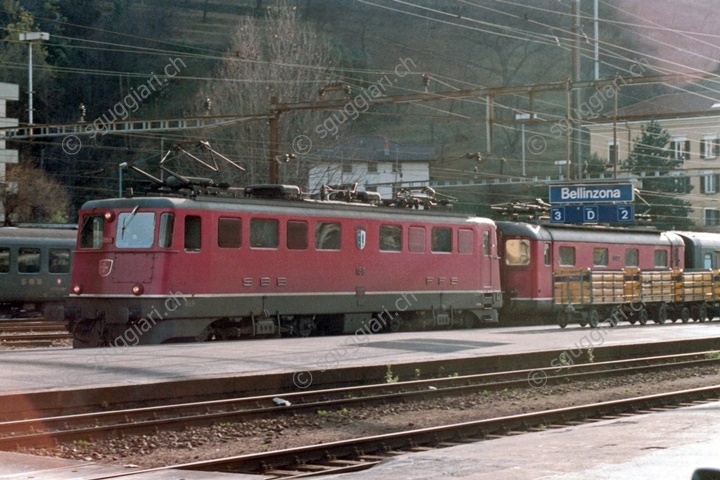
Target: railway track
<point>49,431</point>
<point>364,452</point>
<point>31,333</point>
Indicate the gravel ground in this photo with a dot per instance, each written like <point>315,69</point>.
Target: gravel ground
<point>285,431</point>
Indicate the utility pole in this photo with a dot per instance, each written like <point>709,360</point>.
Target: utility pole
<point>31,38</point>
<point>274,140</point>
<point>576,78</point>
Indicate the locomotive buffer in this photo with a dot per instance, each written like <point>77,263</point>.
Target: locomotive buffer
<point>597,203</point>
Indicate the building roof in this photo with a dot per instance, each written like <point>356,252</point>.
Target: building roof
<point>377,148</point>
<point>674,103</point>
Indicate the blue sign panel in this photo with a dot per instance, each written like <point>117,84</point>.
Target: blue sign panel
<point>592,193</point>
<point>592,214</point>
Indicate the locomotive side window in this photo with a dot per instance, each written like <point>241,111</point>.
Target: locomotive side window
<point>661,258</point>
<point>707,261</point>
<point>390,238</point>
<point>465,241</point>
<point>91,234</point>
<point>567,256</point>
<point>135,229</point>
<point>546,254</point>
<point>193,233</point>
<point>327,236</point>
<point>416,239</point>
<point>264,233</point>
<point>29,260</point>
<point>441,239</point>
<point>167,226</point>
<point>297,235</point>
<point>59,260</point>
<point>486,242</point>
<point>600,257</point>
<point>517,252</point>
<point>4,260</point>
<point>229,232</point>
<point>632,257</point>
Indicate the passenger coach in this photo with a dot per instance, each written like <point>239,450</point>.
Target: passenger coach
<point>157,269</point>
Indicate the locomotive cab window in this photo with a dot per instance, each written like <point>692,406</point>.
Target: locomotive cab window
<point>297,235</point>
<point>193,233</point>
<point>707,261</point>
<point>390,238</point>
<point>29,260</point>
<point>59,260</point>
<point>546,254</point>
<point>661,258</point>
<point>486,242</point>
<point>327,236</point>
<point>567,256</point>
<point>91,235</point>
<point>4,260</point>
<point>600,257</point>
<point>135,229</point>
<point>167,226</point>
<point>632,257</point>
<point>229,232</point>
<point>264,233</point>
<point>517,252</point>
<point>441,240</point>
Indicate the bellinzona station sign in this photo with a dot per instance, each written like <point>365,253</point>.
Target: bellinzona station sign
<point>595,193</point>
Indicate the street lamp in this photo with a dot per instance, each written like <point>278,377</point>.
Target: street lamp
<point>122,166</point>
<point>32,37</point>
<point>523,117</point>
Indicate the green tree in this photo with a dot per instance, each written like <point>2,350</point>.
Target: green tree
<point>659,196</point>
<point>27,194</point>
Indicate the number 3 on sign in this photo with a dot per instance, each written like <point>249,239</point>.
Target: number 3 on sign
<point>557,214</point>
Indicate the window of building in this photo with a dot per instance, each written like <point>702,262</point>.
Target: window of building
<point>441,240</point>
<point>4,260</point>
<point>59,260</point>
<point>396,167</point>
<point>709,182</point>
<point>632,257</point>
<point>613,153</point>
<point>661,258</point>
<point>567,256</point>
<point>229,232</point>
<point>680,148</point>
<point>135,229</point>
<point>327,236</point>
<point>28,260</point>
<point>264,232</point>
<point>372,167</point>
<point>709,147</point>
<point>390,238</point>
<point>167,227</point>
<point>600,257</point>
<point>297,235</point>
<point>192,233</point>
<point>517,252</point>
<point>712,217</point>
<point>91,234</point>
<point>465,241</point>
<point>347,167</point>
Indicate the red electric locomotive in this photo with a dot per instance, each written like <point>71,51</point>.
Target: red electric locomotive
<point>228,265</point>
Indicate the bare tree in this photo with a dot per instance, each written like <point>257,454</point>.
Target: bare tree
<point>27,194</point>
<point>278,55</point>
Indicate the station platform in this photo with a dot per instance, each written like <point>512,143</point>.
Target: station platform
<point>659,446</point>
<point>308,360</point>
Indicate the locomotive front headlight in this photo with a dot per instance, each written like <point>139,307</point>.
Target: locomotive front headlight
<point>77,289</point>
<point>109,216</point>
<point>138,289</point>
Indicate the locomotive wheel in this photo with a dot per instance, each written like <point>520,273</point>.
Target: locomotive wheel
<point>305,326</point>
<point>661,314</point>
<point>685,314</point>
<point>642,315</point>
<point>395,323</point>
<point>702,313</point>
<point>593,318</point>
<point>88,333</point>
<point>562,319</point>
